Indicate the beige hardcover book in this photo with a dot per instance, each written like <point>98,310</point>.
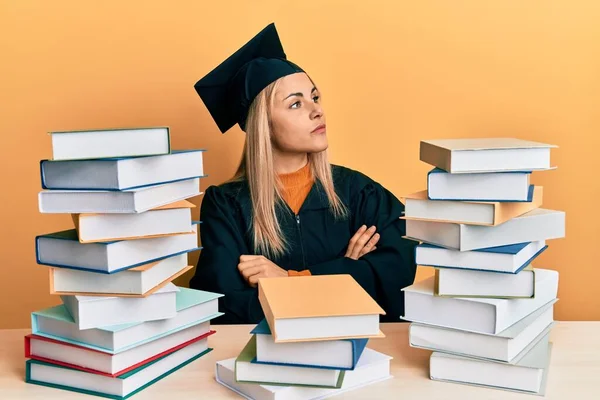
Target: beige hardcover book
<point>168,220</point>
<point>486,155</point>
<point>419,207</point>
<point>318,307</point>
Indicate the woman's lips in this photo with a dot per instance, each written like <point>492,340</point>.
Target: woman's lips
<point>319,129</point>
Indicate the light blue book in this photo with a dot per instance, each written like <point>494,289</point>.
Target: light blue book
<point>193,307</point>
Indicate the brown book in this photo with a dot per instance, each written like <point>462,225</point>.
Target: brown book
<point>318,307</point>
<point>488,213</point>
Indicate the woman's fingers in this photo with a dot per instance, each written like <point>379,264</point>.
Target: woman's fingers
<point>370,245</point>
<point>362,241</point>
<point>354,240</point>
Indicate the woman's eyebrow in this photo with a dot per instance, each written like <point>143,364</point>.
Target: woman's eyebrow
<point>299,94</point>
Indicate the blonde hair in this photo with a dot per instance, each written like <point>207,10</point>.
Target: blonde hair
<point>257,168</point>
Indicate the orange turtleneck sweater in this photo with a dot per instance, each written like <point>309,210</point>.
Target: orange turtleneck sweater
<point>296,186</point>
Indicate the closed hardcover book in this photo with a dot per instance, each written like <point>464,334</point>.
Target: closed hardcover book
<point>267,374</point>
<point>122,173</point>
<point>463,283</point>
<point>337,354</point>
<point>319,307</point>
<point>115,142</point>
<point>63,249</point>
<point>419,207</point>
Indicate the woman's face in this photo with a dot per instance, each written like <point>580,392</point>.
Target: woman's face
<point>297,118</point>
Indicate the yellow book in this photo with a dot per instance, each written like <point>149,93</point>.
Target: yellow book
<point>318,307</point>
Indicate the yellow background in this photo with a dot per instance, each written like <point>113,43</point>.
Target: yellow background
<point>391,72</point>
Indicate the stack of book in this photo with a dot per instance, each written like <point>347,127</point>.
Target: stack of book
<point>312,343</point>
<point>486,313</point>
<point>122,325</point>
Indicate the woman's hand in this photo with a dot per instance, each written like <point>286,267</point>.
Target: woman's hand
<point>363,242</point>
<point>254,267</point>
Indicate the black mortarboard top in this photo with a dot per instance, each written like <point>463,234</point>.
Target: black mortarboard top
<point>229,89</point>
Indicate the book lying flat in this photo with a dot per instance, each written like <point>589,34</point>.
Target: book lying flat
<point>117,202</point>
<point>95,312</point>
<point>117,142</point>
<point>527,375</point>
<point>452,282</point>
<point>372,367</point>
<point>481,315</point>
<point>140,281</point>
<point>193,307</point>
<point>97,362</point>
<point>119,388</point>
<point>339,354</point>
<point>63,249</point>
<point>507,259</point>
<point>171,219</point>
<point>319,307</point>
<point>538,224</point>
<point>122,173</point>
<point>495,186</point>
<point>486,155</point>
<point>267,374</point>
<point>419,207</point>
<point>504,346</point>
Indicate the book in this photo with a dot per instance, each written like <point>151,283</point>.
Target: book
<point>167,220</point>
<point>486,155</point>
<point>504,346</point>
<point>95,312</point>
<point>194,307</point>
<point>102,363</point>
<point>338,354</point>
<point>121,387</point>
<point>250,372</point>
<point>492,186</point>
<point>140,281</point>
<point>452,282</point>
<point>507,259</point>
<point>373,367</point>
<point>122,173</point>
<point>63,249</point>
<point>528,375</point>
<point>125,201</point>
<point>419,207</point>
<point>538,224</point>
<point>480,315</point>
<point>319,307</point>
<point>103,143</point>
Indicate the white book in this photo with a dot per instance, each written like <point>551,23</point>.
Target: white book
<point>372,367</point>
<point>538,224</point>
<point>193,307</point>
<point>486,155</point>
<point>95,312</point>
<point>481,315</point>
<point>529,374</point>
<point>122,173</point>
<point>464,283</point>
<point>126,201</point>
<point>44,349</point>
<point>507,259</point>
<point>139,281</point>
<point>504,346</point>
<point>62,249</point>
<point>120,387</point>
<point>103,143</point>
<point>493,186</point>
<point>170,219</point>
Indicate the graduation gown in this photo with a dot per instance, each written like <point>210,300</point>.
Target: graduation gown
<point>317,242</point>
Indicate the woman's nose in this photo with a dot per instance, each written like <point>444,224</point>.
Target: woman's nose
<point>317,111</point>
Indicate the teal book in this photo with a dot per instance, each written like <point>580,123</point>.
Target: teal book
<point>193,307</point>
<point>118,388</point>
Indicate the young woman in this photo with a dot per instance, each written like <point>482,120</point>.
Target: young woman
<point>288,211</point>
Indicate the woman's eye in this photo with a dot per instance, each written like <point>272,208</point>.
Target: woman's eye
<point>295,104</point>
<point>316,98</point>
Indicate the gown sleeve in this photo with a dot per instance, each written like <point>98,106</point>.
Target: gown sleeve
<point>391,266</point>
<point>222,244</point>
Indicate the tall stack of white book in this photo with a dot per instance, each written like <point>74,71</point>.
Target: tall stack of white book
<point>487,312</point>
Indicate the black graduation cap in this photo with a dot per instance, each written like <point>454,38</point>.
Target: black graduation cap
<point>229,89</point>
